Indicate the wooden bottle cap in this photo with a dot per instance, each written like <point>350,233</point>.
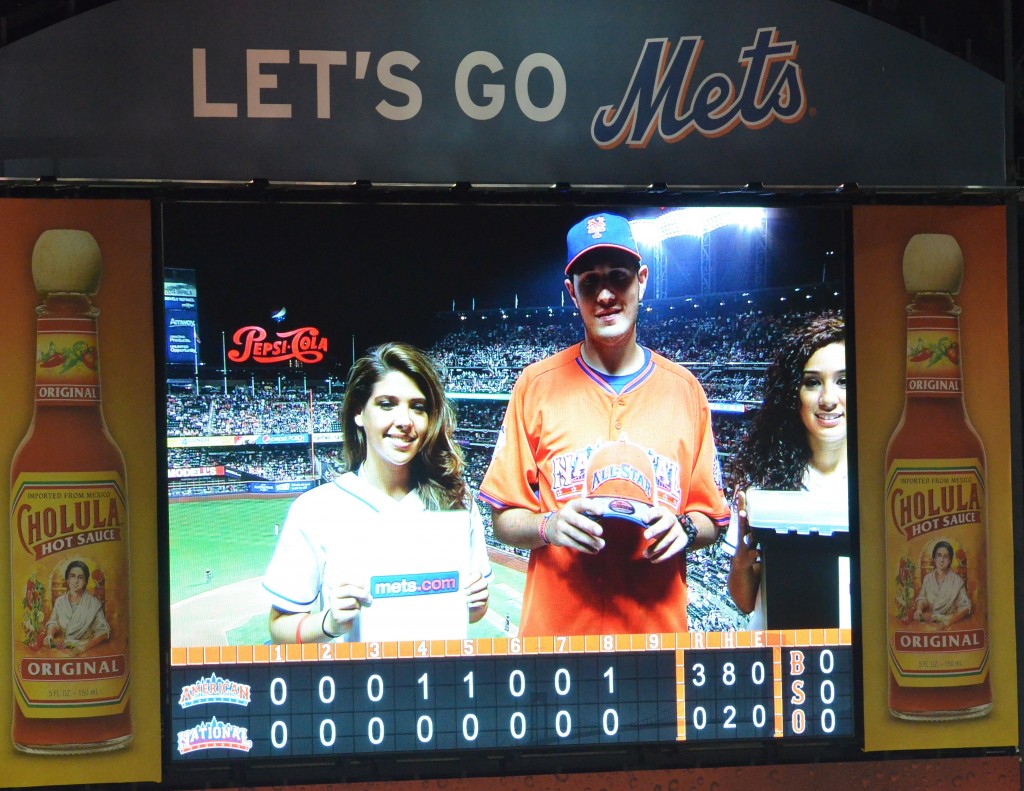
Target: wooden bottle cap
<point>933,262</point>
<point>65,260</point>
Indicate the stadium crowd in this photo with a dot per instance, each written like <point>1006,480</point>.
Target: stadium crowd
<point>245,410</point>
<point>728,354</point>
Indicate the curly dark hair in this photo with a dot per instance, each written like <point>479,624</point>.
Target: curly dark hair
<point>774,453</point>
<point>437,469</point>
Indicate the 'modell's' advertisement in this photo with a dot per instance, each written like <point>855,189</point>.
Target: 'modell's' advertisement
<point>79,456</point>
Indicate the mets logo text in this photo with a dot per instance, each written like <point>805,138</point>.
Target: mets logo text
<point>659,97</point>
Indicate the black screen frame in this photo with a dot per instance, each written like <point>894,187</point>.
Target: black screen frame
<point>396,766</point>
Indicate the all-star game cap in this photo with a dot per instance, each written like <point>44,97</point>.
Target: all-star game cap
<point>620,481</point>
<point>607,231</point>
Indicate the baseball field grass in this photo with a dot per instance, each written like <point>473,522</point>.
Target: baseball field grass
<point>226,543</point>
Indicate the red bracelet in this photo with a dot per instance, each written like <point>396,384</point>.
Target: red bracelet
<point>542,527</point>
<point>298,629</point>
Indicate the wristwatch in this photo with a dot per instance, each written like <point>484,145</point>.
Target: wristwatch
<point>690,528</point>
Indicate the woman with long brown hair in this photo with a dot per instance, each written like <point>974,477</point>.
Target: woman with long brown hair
<point>402,459</point>
<point>797,442</point>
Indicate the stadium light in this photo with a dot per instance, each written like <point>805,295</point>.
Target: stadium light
<point>696,221</point>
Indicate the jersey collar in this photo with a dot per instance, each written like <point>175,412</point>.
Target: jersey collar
<point>604,381</point>
<point>374,498</point>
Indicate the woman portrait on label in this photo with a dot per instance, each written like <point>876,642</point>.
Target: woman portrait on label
<point>796,442</point>
<point>943,599</point>
<point>402,459</point>
<point>77,622</point>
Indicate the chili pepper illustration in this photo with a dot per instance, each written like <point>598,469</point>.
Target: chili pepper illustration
<point>938,351</point>
<point>73,356</point>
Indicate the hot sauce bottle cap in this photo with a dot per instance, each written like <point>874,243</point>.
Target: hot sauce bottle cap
<point>66,260</point>
<point>933,262</point>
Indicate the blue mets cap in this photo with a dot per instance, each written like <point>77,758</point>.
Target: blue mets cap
<point>600,231</point>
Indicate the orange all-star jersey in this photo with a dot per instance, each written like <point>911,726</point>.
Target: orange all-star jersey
<point>560,412</point>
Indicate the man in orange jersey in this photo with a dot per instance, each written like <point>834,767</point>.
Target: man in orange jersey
<point>608,531</point>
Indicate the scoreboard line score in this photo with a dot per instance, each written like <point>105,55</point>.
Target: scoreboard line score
<point>322,700</point>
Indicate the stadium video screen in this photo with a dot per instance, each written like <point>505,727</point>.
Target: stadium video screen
<point>430,490</point>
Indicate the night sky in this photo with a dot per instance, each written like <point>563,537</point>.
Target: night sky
<point>381,271</point>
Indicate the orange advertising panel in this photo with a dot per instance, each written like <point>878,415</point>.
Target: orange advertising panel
<point>77,442</point>
<point>934,461</point>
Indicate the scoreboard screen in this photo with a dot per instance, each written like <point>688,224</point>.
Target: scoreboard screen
<point>180,317</point>
<point>285,299</point>
<point>507,693</point>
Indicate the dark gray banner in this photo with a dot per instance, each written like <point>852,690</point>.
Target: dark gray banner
<point>705,93</point>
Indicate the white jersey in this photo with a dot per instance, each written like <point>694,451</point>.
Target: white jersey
<point>320,525</point>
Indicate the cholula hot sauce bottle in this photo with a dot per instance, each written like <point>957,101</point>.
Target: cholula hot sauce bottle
<point>69,526</point>
<point>935,509</point>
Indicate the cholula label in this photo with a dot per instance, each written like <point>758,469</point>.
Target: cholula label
<point>64,523</point>
<point>938,597</point>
